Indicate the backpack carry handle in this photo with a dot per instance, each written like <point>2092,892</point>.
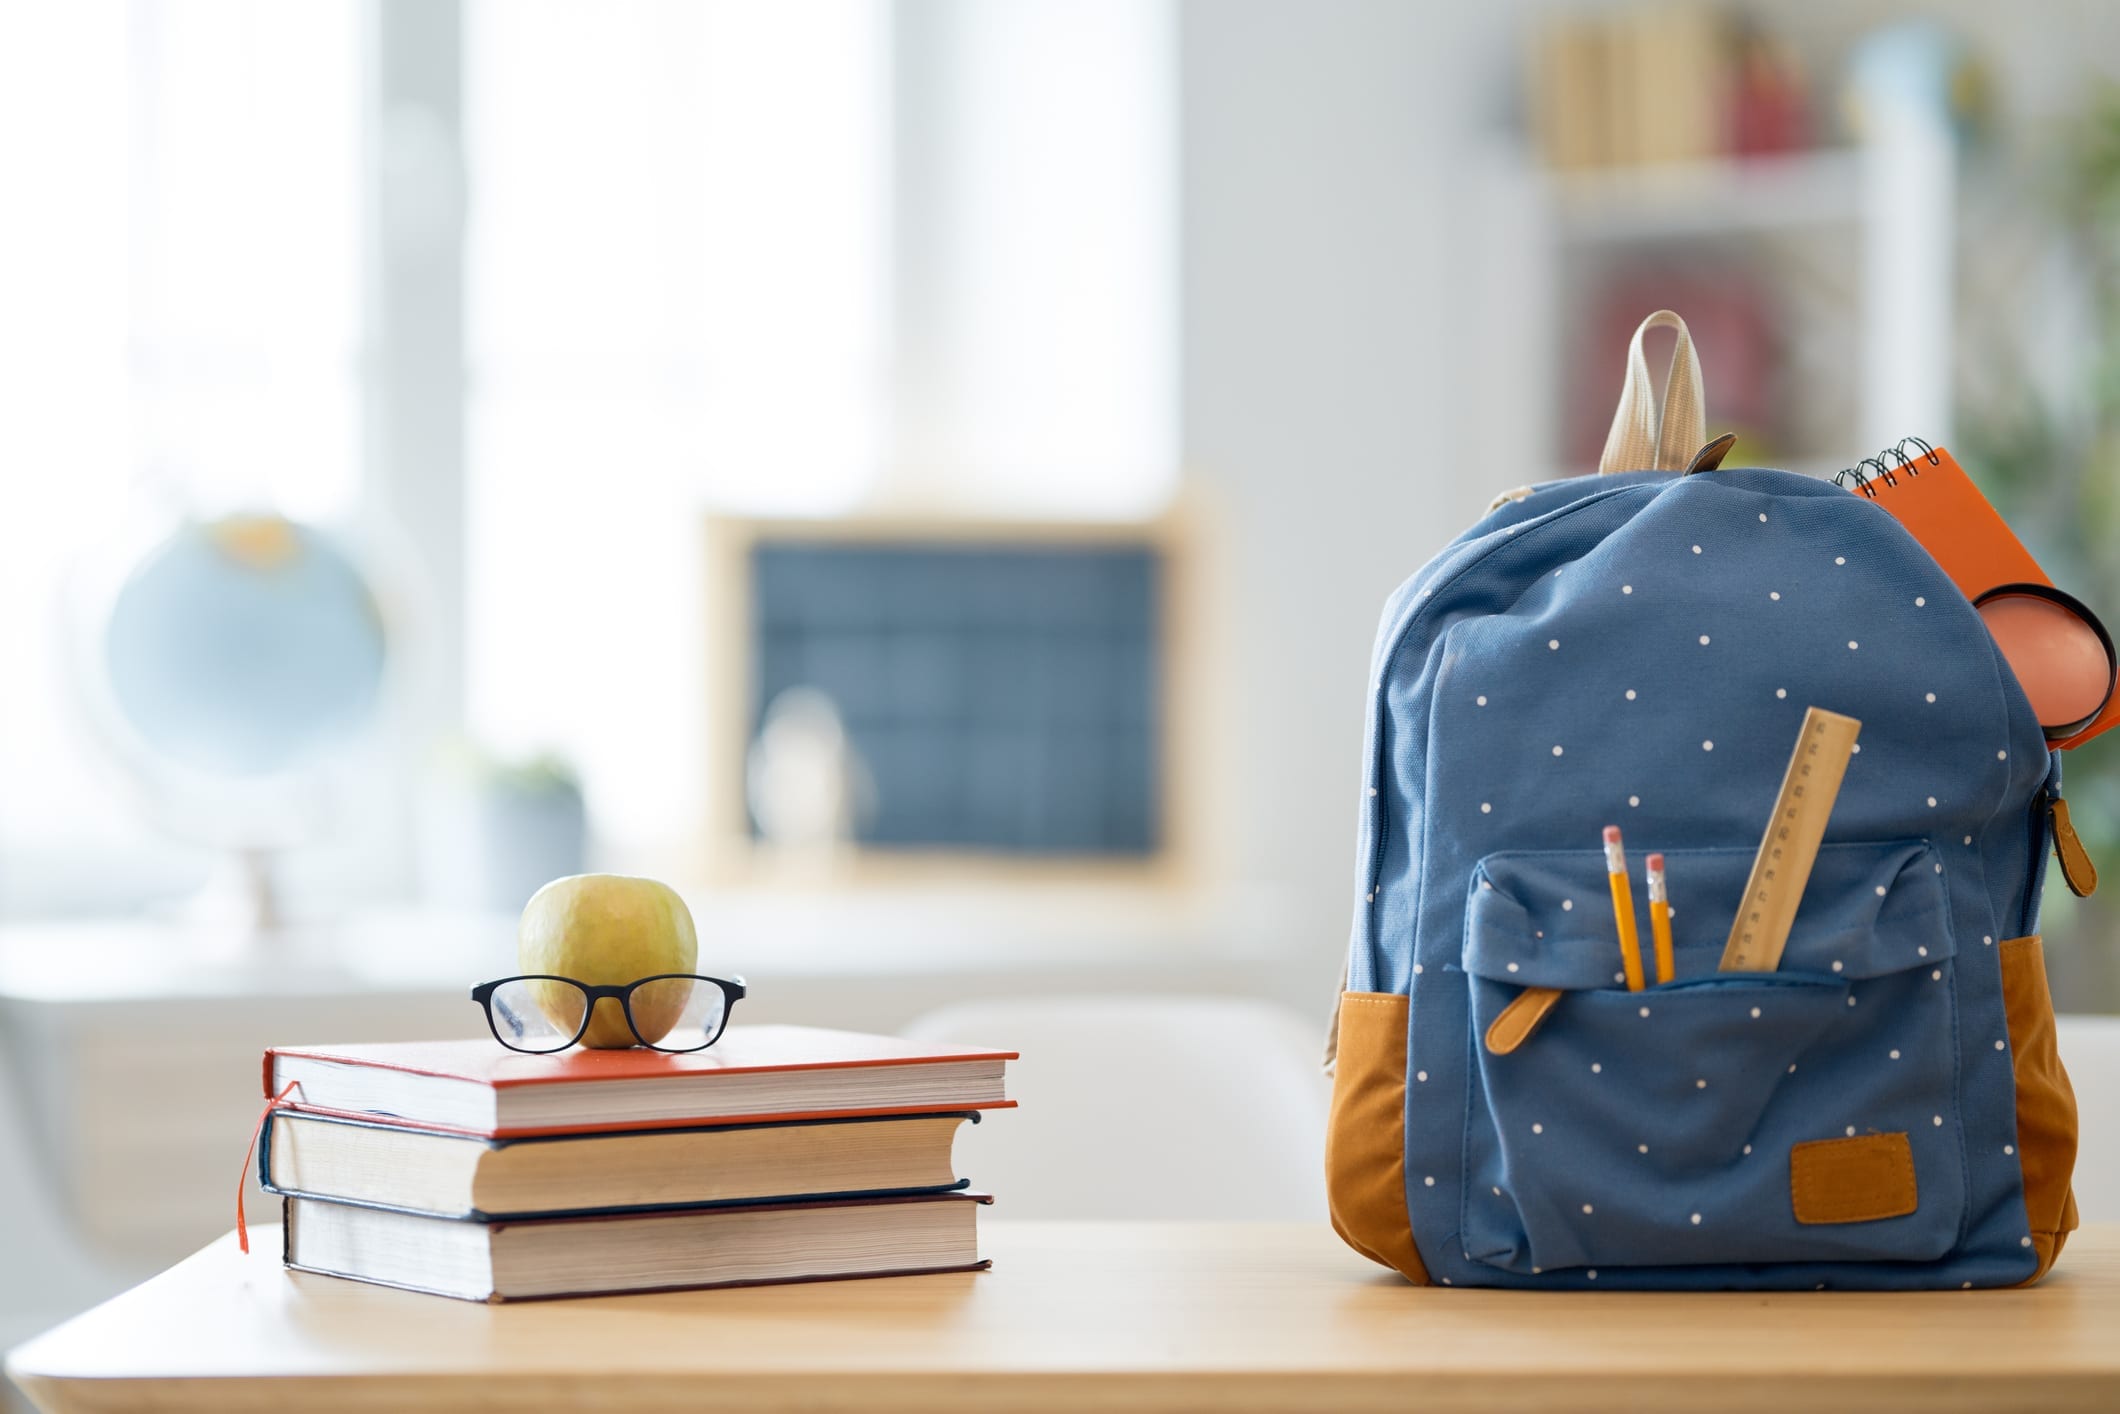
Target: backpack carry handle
<point>1640,439</point>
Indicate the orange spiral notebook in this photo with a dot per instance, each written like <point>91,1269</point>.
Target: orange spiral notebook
<point>1930,494</point>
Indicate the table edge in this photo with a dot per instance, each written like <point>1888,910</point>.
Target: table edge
<point>1056,1391</point>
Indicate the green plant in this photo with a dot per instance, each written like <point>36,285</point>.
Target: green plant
<point>2049,456</point>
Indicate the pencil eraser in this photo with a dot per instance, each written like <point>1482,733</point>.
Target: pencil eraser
<point>1656,862</point>
<point>1611,834</point>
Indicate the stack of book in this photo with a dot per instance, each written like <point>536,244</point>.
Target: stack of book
<point>782,1153</point>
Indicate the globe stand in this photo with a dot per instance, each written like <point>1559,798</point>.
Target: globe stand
<point>238,902</point>
<point>229,664</point>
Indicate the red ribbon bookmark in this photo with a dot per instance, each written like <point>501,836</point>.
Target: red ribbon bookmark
<point>243,1180</point>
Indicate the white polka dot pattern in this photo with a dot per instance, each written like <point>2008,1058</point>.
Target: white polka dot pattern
<point>1515,745</point>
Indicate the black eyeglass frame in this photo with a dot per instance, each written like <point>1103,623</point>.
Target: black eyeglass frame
<point>732,992</point>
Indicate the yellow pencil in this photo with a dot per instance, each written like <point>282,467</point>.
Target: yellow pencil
<point>1660,919</point>
<point>1630,943</point>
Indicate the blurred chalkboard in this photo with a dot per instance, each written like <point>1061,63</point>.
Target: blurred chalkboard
<point>1003,697</point>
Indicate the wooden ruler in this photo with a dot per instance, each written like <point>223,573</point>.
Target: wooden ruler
<point>1782,867</point>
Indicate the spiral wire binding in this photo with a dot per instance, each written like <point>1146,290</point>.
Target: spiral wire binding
<point>1888,474</point>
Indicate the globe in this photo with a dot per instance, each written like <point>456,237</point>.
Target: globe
<point>244,647</point>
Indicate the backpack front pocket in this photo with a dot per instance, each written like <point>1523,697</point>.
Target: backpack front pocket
<point>1805,1114</point>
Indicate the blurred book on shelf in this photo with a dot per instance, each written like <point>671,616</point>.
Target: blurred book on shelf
<point>1650,84</point>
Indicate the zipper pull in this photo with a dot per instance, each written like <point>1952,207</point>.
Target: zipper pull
<point>2076,868</point>
<point>1520,1018</point>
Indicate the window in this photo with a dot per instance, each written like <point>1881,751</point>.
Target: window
<point>178,331</point>
<point>784,259</point>
<point>677,292</point>
<point>1037,304</point>
<point>805,259</point>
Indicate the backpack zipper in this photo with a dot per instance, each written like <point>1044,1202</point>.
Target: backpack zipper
<point>2035,869</point>
<point>2077,870</point>
<point>1508,535</point>
<point>1423,600</point>
<point>2050,824</point>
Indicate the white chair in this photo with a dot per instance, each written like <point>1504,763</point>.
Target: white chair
<point>2090,1052</point>
<point>1183,1107</point>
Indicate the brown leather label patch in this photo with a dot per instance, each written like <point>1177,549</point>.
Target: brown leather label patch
<point>1854,1180</point>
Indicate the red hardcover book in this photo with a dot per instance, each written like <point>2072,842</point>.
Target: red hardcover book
<point>753,1073</point>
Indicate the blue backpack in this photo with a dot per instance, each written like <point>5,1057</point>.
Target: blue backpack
<point>1884,1110</point>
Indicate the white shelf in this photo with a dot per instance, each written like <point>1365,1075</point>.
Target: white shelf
<point>1880,216</point>
<point>1721,197</point>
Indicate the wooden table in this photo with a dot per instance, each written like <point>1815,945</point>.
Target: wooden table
<point>1079,1316</point>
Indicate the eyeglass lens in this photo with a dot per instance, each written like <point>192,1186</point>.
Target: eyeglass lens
<point>543,1014</point>
<point>678,1013</point>
<point>538,1013</point>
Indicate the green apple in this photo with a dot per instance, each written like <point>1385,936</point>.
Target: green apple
<point>608,930</point>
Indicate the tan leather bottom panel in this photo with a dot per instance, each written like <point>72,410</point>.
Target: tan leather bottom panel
<point>1856,1180</point>
<point>1365,1139</point>
<point>2046,1105</point>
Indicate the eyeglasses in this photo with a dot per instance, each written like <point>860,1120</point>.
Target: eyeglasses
<point>672,1012</point>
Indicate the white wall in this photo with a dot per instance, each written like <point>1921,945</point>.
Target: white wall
<point>1318,145</point>
<point>1344,412</point>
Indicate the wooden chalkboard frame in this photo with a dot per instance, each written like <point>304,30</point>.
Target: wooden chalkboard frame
<point>733,856</point>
